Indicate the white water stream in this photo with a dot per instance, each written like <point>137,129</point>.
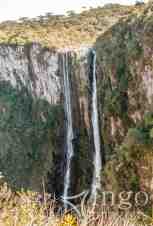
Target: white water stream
<point>69,127</point>
<point>96,183</point>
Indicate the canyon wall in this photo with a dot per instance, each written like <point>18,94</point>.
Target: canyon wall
<point>32,119</point>
<point>125,90</point>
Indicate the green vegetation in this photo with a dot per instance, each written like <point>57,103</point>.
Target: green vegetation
<point>31,208</point>
<point>125,169</point>
<point>123,54</point>
<point>60,31</point>
<point>116,50</point>
<point>28,132</point>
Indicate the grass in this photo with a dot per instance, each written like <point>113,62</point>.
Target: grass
<point>63,31</point>
<point>33,209</point>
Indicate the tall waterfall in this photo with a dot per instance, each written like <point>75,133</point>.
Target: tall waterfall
<point>96,183</point>
<point>69,126</point>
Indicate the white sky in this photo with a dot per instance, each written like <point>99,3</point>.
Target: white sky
<point>13,9</point>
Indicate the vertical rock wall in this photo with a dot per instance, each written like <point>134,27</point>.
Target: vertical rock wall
<point>32,119</point>
<point>31,114</point>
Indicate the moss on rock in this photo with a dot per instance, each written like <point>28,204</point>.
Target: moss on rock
<point>28,136</point>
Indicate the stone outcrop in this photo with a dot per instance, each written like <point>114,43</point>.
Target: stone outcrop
<point>31,114</point>
<point>125,73</point>
<point>32,121</point>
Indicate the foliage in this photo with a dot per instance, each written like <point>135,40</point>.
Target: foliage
<point>141,134</point>
<point>139,2</point>
<point>122,54</point>
<point>124,169</point>
<point>69,220</point>
<point>30,208</point>
<point>24,208</point>
<point>116,48</point>
<point>28,132</point>
<point>60,31</point>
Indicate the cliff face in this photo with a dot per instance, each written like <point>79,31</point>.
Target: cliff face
<point>32,67</point>
<point>125,69</point>
<point>31,113</point>
<point>32,119</point>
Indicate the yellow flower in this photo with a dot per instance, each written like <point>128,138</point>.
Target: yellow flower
<point>69,220</point>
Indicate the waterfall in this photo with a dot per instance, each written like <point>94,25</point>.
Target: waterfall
<point>69,127</point>
<point>96,183</point>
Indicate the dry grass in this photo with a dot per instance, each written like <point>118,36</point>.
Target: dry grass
<point>33,209</point>
<point>63,31</point>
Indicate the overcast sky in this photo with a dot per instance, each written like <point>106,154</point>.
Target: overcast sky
<point>13,9</point>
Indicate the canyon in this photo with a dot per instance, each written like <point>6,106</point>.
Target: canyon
<point>80,118</point>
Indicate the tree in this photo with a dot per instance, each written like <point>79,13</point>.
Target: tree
<point>50,14</point>
<point>23,19</point>
<point>139,2</point>
<point>71,13</point>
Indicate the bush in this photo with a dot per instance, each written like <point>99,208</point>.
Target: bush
<point>139,2</point>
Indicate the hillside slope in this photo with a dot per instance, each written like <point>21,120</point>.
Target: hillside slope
<point>63,31</point>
